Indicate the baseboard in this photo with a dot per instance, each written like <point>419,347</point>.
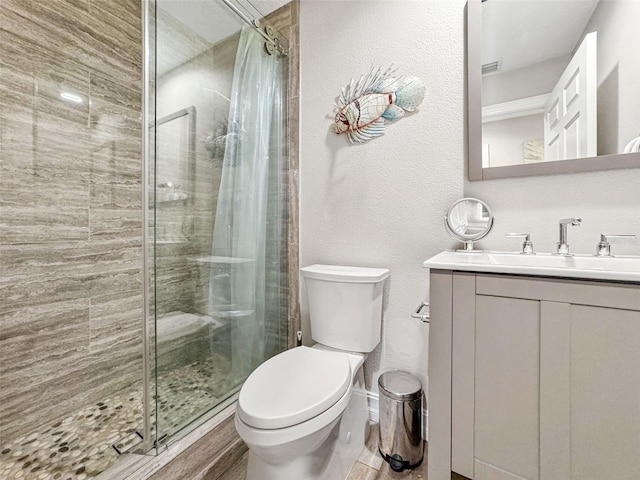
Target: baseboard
<point>373,404</point>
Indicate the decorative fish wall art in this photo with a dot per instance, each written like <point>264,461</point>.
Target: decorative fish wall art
<point>363,106</point>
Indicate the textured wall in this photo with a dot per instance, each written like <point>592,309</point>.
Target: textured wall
<point>71,207</point>
<point>608,202</point>
<point>381,204</point>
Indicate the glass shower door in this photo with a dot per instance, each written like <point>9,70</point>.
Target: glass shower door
<point>219,198</point>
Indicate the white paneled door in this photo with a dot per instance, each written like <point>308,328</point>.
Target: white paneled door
<point>570,114</point>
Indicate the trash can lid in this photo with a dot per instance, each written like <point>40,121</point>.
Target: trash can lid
<point>400,385</point>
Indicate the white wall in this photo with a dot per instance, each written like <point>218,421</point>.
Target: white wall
<point>607,202</point>
<point>506,138</point>
<point>381,204</point>
<point>536,79</point>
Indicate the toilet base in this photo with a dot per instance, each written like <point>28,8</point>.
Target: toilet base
<point>325,455</point>
<point>331,452</point>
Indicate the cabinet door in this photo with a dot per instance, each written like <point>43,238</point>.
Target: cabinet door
<point>589,392</point>
<point>554,392</point>
<point>439,403</point>
<point>605,393</point>
<point>507,371</point>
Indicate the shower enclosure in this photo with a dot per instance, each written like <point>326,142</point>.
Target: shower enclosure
<point>219,184</point>
<point>143,225</point>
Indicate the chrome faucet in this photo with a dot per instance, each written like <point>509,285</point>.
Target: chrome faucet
<point>527,244</point>
<point>563,246</point>
<point>604,247</point>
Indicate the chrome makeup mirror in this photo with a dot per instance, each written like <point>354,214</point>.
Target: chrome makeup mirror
<point>469,220</point>
<point>552,86</point>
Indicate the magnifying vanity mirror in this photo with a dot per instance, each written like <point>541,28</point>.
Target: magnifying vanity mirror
<point>552,86</point>
<point>469,220</point>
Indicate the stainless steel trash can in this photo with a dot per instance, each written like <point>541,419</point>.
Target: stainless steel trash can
<point>400,405</point>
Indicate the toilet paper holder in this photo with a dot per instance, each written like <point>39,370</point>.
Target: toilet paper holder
<point>424,317</point>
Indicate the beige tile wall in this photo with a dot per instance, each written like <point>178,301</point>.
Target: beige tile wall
<point>293,126</point>
<point>70,206</point>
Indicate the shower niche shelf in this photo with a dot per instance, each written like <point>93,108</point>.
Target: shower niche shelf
<point>173,196</point>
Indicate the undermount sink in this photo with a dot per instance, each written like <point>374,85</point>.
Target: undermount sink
<point>621,268</point>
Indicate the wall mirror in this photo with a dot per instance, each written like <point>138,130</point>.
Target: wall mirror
<point>552,86</point>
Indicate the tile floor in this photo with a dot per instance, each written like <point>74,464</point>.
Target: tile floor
<point>77,447</point>
<point>81,446</point>
<point>370,465</point>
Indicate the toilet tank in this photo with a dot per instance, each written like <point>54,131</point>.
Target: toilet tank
<point>345,305</point>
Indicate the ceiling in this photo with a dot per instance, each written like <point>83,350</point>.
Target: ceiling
<point>187,28</point>
<point>526,32</point>
<point>214,21</point>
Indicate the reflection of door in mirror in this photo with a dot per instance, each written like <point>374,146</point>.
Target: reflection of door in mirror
<point>526,49</point>
<point>570,118</point>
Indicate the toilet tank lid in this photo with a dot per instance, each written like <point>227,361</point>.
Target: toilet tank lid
<point>338,273</point>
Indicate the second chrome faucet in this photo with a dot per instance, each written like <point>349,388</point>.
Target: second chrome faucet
<point>562,245</point>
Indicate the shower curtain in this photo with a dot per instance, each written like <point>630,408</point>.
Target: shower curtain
<point>243,243</point>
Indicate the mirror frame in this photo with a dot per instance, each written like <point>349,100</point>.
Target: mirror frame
<point>474,123</point>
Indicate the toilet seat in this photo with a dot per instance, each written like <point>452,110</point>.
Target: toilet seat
<point>293,387</point>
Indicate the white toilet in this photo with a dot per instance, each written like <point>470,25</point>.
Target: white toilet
<point>303,413</point>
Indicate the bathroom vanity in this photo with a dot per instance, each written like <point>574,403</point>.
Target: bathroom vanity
<point>534,367</point>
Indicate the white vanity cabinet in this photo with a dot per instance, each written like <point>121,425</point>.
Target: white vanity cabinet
<point>533,378</point>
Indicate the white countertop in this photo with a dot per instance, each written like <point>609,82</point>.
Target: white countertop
<point>619,268</point>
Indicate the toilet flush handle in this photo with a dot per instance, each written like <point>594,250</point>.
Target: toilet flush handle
<point>422,316</point>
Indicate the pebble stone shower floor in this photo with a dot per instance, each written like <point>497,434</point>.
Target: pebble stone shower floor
<point>82,445</point>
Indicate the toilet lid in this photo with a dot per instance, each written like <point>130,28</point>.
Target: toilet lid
<point>293,387</point>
